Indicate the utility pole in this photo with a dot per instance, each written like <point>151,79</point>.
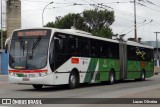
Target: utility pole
<point>157,48</point>
<point>1,28</point>
<point>135,22</point>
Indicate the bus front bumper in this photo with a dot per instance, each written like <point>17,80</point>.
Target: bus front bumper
<point>45,80</point>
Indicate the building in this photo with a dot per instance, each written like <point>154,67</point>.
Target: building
<point>156,54</point>
<point>153,44</point>
<point>13,8</point>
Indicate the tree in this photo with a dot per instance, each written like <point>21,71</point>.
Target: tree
<point>67,22</point>
<point>4,38</point>
<point>95,21</point>
<point>99,22</point>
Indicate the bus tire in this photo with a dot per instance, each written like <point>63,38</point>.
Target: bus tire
<point>37,86</point>
<point>143,75</point>
<point>73,80</point>
<point>111,77</point>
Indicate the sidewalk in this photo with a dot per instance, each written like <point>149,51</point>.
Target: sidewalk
<point>4,79</point>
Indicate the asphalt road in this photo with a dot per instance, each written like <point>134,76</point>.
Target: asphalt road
<point>127,89</point>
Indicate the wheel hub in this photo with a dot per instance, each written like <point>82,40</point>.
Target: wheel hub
<point>73,80</point>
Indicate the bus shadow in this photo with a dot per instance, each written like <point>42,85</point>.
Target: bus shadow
<point>81,86</point>
<point>48,88</point>
<point>61,88</point>
<point>107,83</point>
<point>132,81</point>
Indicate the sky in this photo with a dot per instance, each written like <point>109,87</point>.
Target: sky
<point>148,14</point>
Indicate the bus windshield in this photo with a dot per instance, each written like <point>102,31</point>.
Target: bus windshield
<point>29,49</point>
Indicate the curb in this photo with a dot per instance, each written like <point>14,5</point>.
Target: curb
<point>3,75</point>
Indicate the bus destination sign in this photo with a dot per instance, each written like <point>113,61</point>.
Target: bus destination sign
<point>32,33</point>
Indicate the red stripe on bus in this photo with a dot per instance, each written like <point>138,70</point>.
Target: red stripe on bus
<point>27,71</point>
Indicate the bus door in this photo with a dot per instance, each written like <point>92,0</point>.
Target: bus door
<point>123,60</point>
<point>60,49</point>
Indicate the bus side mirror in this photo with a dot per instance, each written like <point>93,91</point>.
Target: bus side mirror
<point>6,44</point>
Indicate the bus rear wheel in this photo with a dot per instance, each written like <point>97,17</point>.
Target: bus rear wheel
<point>73,80</point>
<point>37,86</point>
<point>143,76</point>
<point>111,78</point>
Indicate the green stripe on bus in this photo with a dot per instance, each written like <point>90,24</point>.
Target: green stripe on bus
<point>104,66</point>
<point>91,70</point>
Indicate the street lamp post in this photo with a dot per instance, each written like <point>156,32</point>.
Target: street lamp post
<point>43,12</point>
<point>1,28</point>
<point>157,49</point>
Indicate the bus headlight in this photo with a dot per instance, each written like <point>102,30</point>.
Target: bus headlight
<point>41,74</point>
<point>12,74</point>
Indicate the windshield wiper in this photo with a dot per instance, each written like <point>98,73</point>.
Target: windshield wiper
<point>35,44</point>
<point>22,45</point>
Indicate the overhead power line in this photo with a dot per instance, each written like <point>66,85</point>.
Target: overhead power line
<point>126,13</point>
<point>139,26</point>
<point>131,27</point>
<point>74,4</point>
<point>35,1</point>
<point>147,7</point>
<point>104,6</point>
<point>68,3</point>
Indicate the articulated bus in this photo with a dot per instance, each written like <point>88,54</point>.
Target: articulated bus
<point>49,56</point>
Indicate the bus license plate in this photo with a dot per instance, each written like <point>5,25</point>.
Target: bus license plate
<point>26,79</point>
<point>31,75</point>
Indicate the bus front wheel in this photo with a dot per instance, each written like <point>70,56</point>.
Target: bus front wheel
<point>73,80</point>
<point>37,86</point>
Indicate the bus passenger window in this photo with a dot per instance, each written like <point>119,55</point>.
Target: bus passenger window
<point>84,47</point>
<point>73,45</point>
<point>109,53</point>
<point>94,48</point>
<point>60,44</point>
<point>57,46</point>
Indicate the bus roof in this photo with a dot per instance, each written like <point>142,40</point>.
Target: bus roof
<point>138,44</point>
<point>89,35</point>
<point>84,34</point>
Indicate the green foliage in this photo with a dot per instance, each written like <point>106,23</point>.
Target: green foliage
<point>95,21</point>
<point>103,32</point>
<point>67,21</point>
<point>4,38</point>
